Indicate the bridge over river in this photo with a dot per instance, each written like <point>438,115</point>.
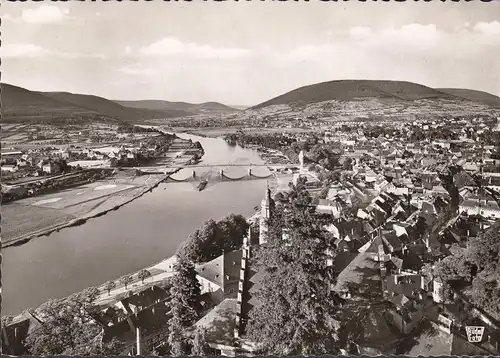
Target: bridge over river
<point>199,171</point>
<point>216,177</point>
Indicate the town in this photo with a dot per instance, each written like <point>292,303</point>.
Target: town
<point>409,215</point>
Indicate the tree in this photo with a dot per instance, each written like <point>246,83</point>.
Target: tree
<point>143,274</point>
<point>185,303</point>
<point>176,341</point>
<point>454,267</point>
<point>324,192</point>
<point>68,327</point>
<point>125,280</point>
<point>200,346</point>
<point>213,237</point>
<point>486,294</point>
<point>296,314</point>
<point>484,250</point>
<point>6,320</point>
<point>186,292</point>
<point>110,285</point>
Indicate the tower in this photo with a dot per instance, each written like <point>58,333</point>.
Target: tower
<point>301,161</point>
<point>438,290</point>
<point>265,214</point>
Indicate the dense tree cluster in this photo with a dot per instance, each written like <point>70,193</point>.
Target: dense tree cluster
<point>268,140</point>
<point>296,314</point>
<point>490,138</point>
<point>129,128</point>
<point>418,134</point>
<point>213,237</point>
<point>481,263</point>
<point>377,131</point>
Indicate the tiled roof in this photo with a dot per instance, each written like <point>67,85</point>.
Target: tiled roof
<point>370,329</point>
<point>212,270</point>
<point>220,322</point>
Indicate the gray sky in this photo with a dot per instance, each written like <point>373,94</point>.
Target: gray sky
<point>245,52</point>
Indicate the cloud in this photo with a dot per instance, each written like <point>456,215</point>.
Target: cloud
<point>170,46</point>
<point>410,40</point>
<point>22,50</point>
<point>488,28</point>
<point>128,50</point>
<point>422,53</point>
<point>45,14</point>
<point>360,31</point>
<point>137,71</point>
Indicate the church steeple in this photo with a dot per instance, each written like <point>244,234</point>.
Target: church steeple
<point>266,207</point>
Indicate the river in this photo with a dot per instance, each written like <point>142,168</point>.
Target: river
<point>139,234</point>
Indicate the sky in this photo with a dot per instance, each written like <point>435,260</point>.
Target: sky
<point>244,53</point>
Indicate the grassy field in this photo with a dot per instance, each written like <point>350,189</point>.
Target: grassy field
<point>19,220</point>
<point>32,216</point>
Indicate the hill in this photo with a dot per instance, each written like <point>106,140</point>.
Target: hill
<point>20,104</point>
<point>473,95</point>
<point>178,106</point>
<point>348,90</point>
<point>110,108</point>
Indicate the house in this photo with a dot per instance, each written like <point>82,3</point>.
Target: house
<point>463,180</point>
<point>11,157</point>
<point>331,207</point>
<point>407,311</point>
<point>147,309</point>
<point>220,325</point>
<point>10,168</point>
<point>51,168</point>
<point>367,331</point>
<point>432,340</point>
<point>480,203</point>
<point>15,332</point>
<point>220,276</point>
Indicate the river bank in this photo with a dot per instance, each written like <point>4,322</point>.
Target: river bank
<point>33,217</point>
<point>149,229</point>
<point>216,132</point>
<point>111,203</point>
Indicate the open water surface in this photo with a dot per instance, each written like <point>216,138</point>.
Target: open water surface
<point>137,235</point>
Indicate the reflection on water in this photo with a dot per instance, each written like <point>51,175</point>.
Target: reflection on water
<point>137,235</point>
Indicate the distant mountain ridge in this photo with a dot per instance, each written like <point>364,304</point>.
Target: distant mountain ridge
<point>473,95</point>
<point>110,108</point>
<point>349,90</point>
<point>179,106</point>
<point>20,105</point>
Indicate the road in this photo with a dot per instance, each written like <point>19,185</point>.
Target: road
<point>159,272</point>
